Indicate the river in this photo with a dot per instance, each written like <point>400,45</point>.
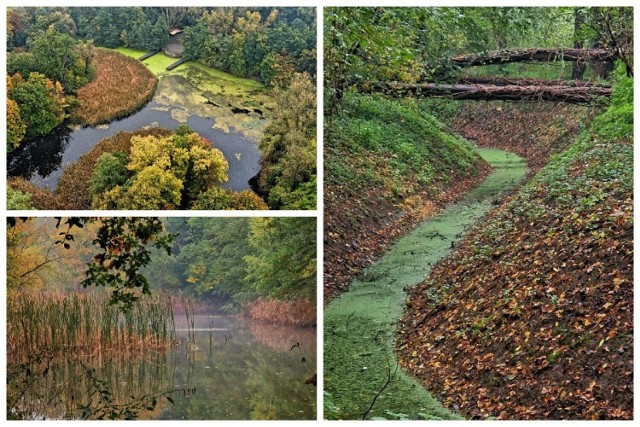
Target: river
<point>181,98</point>
<point>360,325</point>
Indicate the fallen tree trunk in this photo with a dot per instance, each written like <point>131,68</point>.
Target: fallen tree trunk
<point>506,56</point>
<point>519,81</point>
<point>574,95</point>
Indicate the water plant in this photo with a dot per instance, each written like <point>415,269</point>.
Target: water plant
<point>85,324</point>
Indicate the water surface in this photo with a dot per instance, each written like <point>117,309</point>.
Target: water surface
<point>178,100</point>
<point>235,370</point>
<point>360,325</point>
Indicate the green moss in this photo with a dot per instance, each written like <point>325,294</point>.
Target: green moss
<point>159,62</point>
<point>360,325</point>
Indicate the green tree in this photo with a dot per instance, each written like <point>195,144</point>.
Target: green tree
<point>153,188</point>
<point>213,256</point>
<point>283,261</point>
<point>110,170</point>
<point>58,59</point>
<point>60,21</point>
<point>40,103</point>
<point>161,173</point>
<point>17,200</point>
<point>159,35</point>
<point>289,143</point>
<point>194,40</point>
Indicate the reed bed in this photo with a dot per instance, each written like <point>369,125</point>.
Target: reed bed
<point>85,324</point>
<point>300,312</point>
<point>122,86</point>
<point>188,305</point>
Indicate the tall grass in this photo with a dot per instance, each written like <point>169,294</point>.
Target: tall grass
<point>189,313</point>
<point>122,86</point>
<point>86,324</point>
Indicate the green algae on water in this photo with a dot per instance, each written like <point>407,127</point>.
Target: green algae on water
<point>195,89</point>
<point>360,325</point>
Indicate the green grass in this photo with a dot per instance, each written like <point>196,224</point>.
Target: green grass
<point>157,63</point>
<point>376,141</point>
<point>133,53</point>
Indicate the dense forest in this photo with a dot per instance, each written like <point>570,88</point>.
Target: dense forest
<point>64,70</point>
<point>524,311</point>
<point>227,263</point>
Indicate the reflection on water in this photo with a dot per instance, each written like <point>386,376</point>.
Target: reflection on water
<point>234,370</point>
<point>42,160</point>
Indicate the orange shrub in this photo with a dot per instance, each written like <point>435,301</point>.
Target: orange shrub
<point>41,198</point>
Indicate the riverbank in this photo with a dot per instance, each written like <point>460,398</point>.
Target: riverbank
<point>532,316</point>
<point>361,374</point>
<point>389,165</point>
<point>191,94</point>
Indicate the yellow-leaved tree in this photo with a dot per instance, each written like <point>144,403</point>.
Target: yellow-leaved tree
<point>163,172</point>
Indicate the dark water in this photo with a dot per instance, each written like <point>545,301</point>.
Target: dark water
<point>236,369</point>
<point>42,160</point>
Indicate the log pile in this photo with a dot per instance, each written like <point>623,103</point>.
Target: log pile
<point>538,92</point>
<point>547,55</point>
<point>508,88</point>
<point>520,81</point>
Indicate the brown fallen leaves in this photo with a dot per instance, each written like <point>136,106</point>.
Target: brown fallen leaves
<point>531,130</point>
<point>532,317</point>
<point>360,227</point>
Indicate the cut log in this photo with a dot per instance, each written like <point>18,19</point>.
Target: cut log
<point>519,81</point>
<point>560,54</point>
<point>574,95</point>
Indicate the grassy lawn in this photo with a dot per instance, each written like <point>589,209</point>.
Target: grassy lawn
<point>157,63</point>
<point>130,52</point>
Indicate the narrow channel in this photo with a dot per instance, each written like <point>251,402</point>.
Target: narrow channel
<point>360,325</point>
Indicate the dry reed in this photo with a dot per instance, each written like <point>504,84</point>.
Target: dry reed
<point>297,313</point>
<point>85,324</point>
<point>122,86</point>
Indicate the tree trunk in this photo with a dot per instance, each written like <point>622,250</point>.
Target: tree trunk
<point>574,95</point>
<point>577,73</point>
<point>503,57</point>
<point>519,81</point>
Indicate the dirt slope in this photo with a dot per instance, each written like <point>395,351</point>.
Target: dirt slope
<point>532,317</point>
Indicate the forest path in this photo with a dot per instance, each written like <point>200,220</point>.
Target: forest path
<point>360,368</point>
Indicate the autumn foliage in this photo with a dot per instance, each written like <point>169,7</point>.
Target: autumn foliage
<point>300,312</point>
<point>73,185</point>
<point>532,317</point>
<point>122,86</point>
